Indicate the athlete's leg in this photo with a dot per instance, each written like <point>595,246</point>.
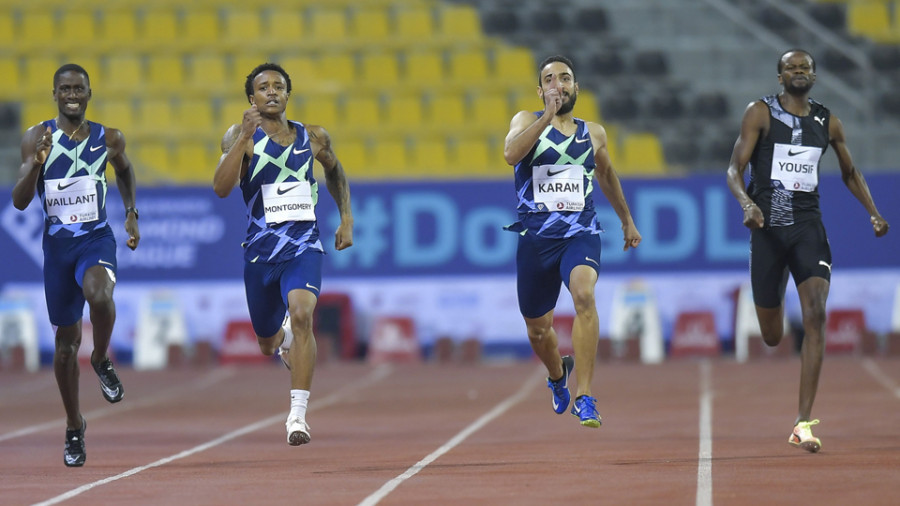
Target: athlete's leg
<point>543,341</point>
<point>65,368</point>
<point>97,286</point>
<point>771,323</point>
<point>302,354</point>
<point>586,328</point>
<point>813,294</point>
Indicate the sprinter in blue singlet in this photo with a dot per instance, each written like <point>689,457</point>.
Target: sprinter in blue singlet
<point>271,159</point>
<point>557,157</point>
<point>64,160</point>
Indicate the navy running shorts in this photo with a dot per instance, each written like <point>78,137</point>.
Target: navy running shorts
<point>543,264</point>
<point>801,249</point>
<point>65,262</point>
<point>267,286</point>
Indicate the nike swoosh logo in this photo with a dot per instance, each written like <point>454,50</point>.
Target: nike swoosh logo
<point>579,141</point>
<point>60,186</point>
<point>282,191</point>
<point>552,173</point>
<point>792,153</point>
<point>298,151</point>
<point>589,259</point>
<point>104,262</point>
<point>112,392</point>
<point>311,287</point>
<point>95,148</point>
<point>555,404</point>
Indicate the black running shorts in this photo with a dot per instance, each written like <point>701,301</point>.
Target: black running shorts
<point>801,249</point>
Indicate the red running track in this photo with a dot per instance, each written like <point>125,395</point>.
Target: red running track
<point>684,432</point>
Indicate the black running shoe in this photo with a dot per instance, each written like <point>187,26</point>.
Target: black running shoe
<point>109,381</point>
<point>74,454</point>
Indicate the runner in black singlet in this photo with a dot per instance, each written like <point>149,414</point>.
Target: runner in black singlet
<point>782,140</point>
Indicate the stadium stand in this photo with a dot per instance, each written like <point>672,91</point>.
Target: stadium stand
<point>420,78</point>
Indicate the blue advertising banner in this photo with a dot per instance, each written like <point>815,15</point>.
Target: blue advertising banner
<point>455,228</point>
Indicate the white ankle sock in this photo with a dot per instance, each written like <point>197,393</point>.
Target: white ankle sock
<point>299,400</point>
<point>288,334</point>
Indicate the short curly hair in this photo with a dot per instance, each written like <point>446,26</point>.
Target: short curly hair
<point>556,58</point>
<point>248,85</point>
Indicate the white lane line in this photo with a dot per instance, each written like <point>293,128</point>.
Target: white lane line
<point>375,376</point>
<point>872,368</point>
<point>210,379</point>
<point>704,464</point>
<point>498,410</point>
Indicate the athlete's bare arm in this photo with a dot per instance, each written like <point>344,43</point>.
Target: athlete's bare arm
<point>237,150</point>
<point>609,183</point>
<point>525,128</point>
<point>35,147</point>
<point>754,125</point>
<point>852,177</point>
<point>336,181</point>
<point>125,181</point>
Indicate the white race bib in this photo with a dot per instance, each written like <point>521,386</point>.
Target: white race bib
<point>71,200</point>
<point>559,187</point>
<point>797,167</point>
<point>288,201</point>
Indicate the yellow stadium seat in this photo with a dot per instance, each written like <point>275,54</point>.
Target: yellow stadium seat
<point>124,72</point>
<point>404,111</point>
<point>473,156</point>
<point>388,156</point>
<point>362,111</point>
<point>424,68</point>
<point>193,162</point>
<point>165,72</point>
<point>447,110</point>
<point>231,112</point>
<point>351,152</point>
<point>460,22</point>
<point>7,28</point>
<point>642,153</point>
<point>869,19</point>
<point>586,106</point>
<point>370,25</point>
<point>201,26</point>
<point>336,69</point>
<point>159,27</point>
<point>36,110</point>
<point>150,159</point>
<point>242,25</point>
<point>243,62</point>
<point>38,74</point>
<point>118,28</point>
<point>156,116</point>
<point>117,113</point>
<point>612,144</point>
<point>380,69</point>
<point>469,66</point>
<point>196,117</point>
<point>515,65</point>
<point>414,22</point>
<point>9,68</point>
<point>320,110</point>
<point>297,66</point>
<point>429,156</point>
<point>528,101</point>
<point>36,29</point>
<point>328,24</point>
<point>490,111</point>
<point>286,26</point>
<point>207,72</point>
<point>78,24</point>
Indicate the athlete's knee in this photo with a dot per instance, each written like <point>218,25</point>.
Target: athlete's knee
<point>267,345</point>
<point>538,333</point>
<point>583,300</point>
